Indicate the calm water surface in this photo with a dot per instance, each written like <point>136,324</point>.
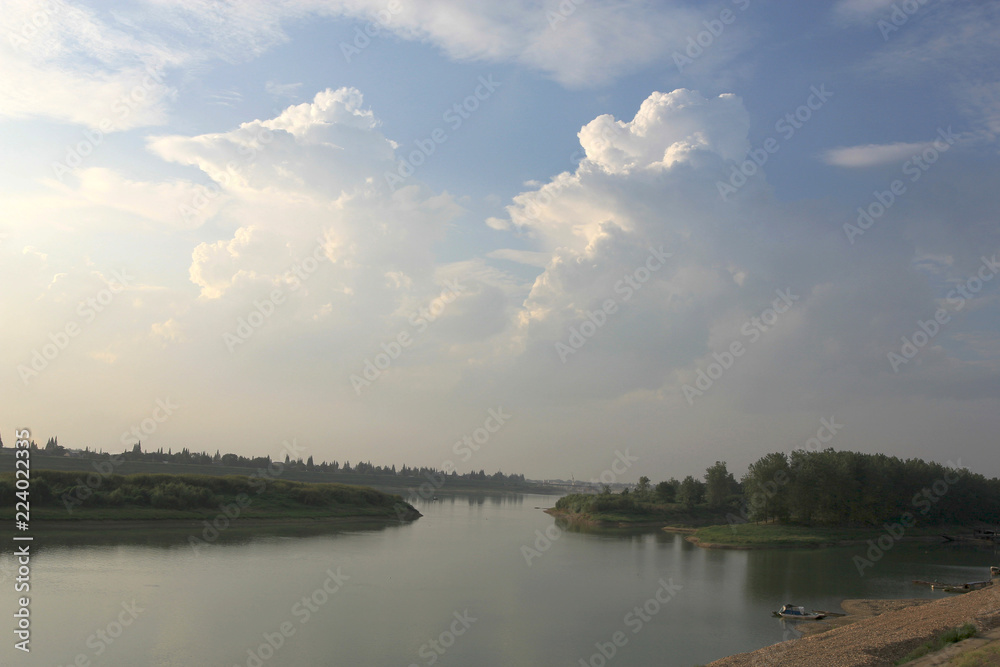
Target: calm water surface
<point>457,577</point>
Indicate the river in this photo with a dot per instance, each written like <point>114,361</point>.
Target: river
<point>471,583</point>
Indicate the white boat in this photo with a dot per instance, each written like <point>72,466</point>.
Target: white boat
<point>800,613</point>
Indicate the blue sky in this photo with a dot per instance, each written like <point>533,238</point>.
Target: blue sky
<point>247,181</point>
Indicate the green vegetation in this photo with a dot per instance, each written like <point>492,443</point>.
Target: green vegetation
<point>53,456</point>
<point>988,655</point>
<point>807,498</point>
<point>634,508</point>
<point>778,535</point>
<point>855,489</point>
<point>935,645</point>
<point>66,496</point>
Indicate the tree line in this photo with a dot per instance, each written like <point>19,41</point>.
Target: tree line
<point>827,487</point>
<point>185,456</point>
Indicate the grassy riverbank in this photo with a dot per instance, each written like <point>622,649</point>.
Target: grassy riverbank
<point>60,496</point>
<point>616,510</point>
<point>762,536</point>
<point>709,527</point>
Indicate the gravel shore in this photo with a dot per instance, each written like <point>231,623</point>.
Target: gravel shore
<point>879,639</point>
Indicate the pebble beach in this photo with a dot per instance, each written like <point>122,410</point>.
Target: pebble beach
<point>877,632</point>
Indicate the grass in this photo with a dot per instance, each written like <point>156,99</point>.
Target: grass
<point>752,535</point>
<point>67,496</point>
<point>620,509</point>
<point>944,639</point>
<point>984,657</point>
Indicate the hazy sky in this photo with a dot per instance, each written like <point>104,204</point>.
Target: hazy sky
<point>691,231</point>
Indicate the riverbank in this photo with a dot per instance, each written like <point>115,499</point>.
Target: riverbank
<point>719,528</point>
<point>699,529</point>
<point>651,516</point>
<point>891,631</point>
<point>63,498</point>
<point>772,536</point>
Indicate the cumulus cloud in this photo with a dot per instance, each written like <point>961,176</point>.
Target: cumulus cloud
<point>647,187</point>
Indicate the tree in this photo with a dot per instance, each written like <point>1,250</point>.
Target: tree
<point>643,488</point>
<point>692,491</point>
<point>719,484</point>
<point>665,492</point>
<point>766,487</point>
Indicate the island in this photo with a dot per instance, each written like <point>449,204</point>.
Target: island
<point>64,497</point>
<point>808,498</point>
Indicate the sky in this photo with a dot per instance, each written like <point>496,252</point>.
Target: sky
<point>530,236</point>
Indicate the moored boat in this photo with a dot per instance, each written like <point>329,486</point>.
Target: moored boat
<point>800,613</point>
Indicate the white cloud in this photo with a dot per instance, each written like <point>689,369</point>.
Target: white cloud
<point>528,257</point>
<point>650,182</point>
<point>871,155</point>
<point>158,202</point>
<point>62,62</point>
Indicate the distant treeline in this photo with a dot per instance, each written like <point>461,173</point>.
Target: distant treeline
<point>185,456</point>
<point>828,487</point>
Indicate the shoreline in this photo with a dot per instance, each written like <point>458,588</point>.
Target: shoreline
<point>800,545</point>
<point>690,533</point>
<point>878,632</point>
<point>44,525</point>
